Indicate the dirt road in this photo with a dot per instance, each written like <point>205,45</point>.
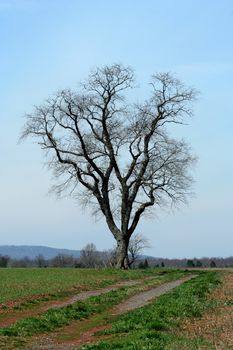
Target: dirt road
<point>51,341</point>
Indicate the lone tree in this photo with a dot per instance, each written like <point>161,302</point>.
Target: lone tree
<point>116,155</point>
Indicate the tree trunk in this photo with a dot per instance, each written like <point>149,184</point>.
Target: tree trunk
<point>122,253</point>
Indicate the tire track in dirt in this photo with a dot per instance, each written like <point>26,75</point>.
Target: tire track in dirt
<point>11,319</point>
<point>141,299</point>
<point>93,293</point>
<point>144,298</point>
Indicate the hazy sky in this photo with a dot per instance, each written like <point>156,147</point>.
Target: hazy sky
<point>51,44</point>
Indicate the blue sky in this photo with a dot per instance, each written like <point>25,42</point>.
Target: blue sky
<point>48,45</point>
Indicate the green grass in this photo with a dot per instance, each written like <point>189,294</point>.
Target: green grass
<point>99,305</point>
<point>17,335</point>
<point>149,328</point>
<point>22,283</point>
<point>57,317</point>
<point>152,327</point>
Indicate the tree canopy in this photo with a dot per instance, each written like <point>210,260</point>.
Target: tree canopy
<point>115,155</point>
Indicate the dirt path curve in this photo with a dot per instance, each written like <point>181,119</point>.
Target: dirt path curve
<point>10,319</point>
<point>144,298</point>
<point>92,293</point>
<point>134,302</point>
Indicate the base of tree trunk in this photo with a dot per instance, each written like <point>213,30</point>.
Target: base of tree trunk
<point>122,255</point>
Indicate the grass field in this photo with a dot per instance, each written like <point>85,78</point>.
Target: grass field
<point>171,321</point>
<point>22,283</point>
<point>152,327</point>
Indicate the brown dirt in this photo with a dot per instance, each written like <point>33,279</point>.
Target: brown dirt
<point>93,293</point>
<point>216,325</point>
<point>144,298</point>
<point>82,332</point>
<point>9,317</point>
<point>10,305</point>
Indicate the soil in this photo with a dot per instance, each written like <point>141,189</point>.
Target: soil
<point>92,293</point>
<point>9,317</point>
<point>75,338</point>
<point>216,326</point>
<point>144,298</point>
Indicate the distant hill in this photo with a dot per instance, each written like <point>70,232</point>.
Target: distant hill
<point>19,252</point>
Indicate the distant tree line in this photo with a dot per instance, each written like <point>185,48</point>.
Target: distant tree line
<point>192,263</point>
<point>91,258</point>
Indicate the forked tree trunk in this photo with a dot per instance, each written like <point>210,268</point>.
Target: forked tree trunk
<point>122,253</point>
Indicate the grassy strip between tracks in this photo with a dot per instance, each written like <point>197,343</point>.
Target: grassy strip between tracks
<point>58,317</point>
<point>153,326</point>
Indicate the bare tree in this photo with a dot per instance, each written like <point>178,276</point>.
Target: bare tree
<point>118,153</point>
<point>61,260</point>
<point>4,260</point>
<point>136,245</point>
<point>40,261</point>
<point>90,256</point>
